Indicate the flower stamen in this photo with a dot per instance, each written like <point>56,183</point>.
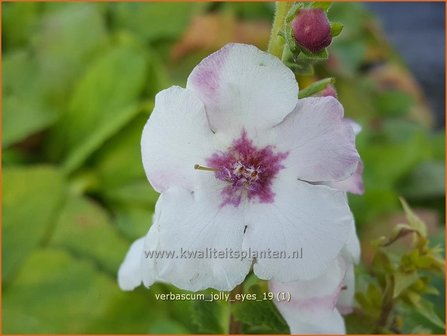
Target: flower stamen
<point>199,167</point>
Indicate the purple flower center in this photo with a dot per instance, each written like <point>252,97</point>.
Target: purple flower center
<point>248,170</point>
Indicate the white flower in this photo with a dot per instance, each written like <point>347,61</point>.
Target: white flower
<point>354,183</point>
<point>231,154</point>
<point>316,306</point>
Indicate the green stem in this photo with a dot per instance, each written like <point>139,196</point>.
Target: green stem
<point>276,43</point>
<point>235,327</point>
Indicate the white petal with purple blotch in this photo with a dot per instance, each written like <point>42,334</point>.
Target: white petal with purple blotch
<point>242,86</point>
<point>194,222</point>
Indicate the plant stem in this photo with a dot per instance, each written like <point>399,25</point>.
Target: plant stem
<point>235,326</point>
<point>276,43</point>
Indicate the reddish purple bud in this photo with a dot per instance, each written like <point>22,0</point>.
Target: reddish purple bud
<point>311,29</point>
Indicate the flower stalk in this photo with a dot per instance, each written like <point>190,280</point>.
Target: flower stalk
<point>235,327</point>
<point>276,43</point>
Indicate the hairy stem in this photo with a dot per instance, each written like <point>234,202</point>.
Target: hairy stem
<point>276,43</point>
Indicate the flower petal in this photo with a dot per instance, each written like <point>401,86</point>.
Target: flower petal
<point>321,145</point>
<point>356,127</point>
<point>351,251</point>
<point>129,273</point>
<point>311,308</point>
<point>176,137</point>
<point>196,223</point>
<point>242,86</point>
<point>353,184</point>
<point>313,218</point>
<point>345,302</point>
<point>148,267</point>
<point>136,267</point>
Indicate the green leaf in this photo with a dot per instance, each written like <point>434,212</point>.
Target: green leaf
<point>133,222</point>
<point>103,101</point>
<point>55,293</point>
<point>119,169</point>
<point>336,28</point>
<point>118,163</point>
<point>426,180</point>
<point>394,103</point>
<point>104,132</point>
<point>259,316</point>
<point>138,193</point>
<point>78,229</point>
<point>67,38</point>
<point>154,21</point>
<point>425,308</point>
<point>23,96</point>
<point>402,281</point>
<point>315,87</point>
<point>398,231</point>
<point>18,22</point>
<point>32,198</point>
<point>413,220</point>
<point>207,316</point>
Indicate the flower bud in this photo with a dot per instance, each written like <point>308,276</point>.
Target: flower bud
<point>311,29</point>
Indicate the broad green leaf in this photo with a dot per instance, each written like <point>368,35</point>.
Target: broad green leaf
<point>374,202</point>
<point>166,326</point>
<point>24,106</point>
<point>119,169</point>
<point>13,157</point>
<point>18,22</point>
<point>96,139</point>
<point>207,317</point>
<point>119,161</point>
<point>393,103</point>
<point>139,193</point>
<point>425,181</point>
<point>133,222</point>
<point>153,21</point>
<point>103,101</point>
<point>384,167</point>
<point>32,197</point>
<point>86,229</point>
<point>67,38</point>
<point>23,117</point>
<point>259,316</point>
<point>56,293</point>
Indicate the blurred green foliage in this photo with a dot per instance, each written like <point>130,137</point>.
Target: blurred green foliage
<point>79,82</point>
